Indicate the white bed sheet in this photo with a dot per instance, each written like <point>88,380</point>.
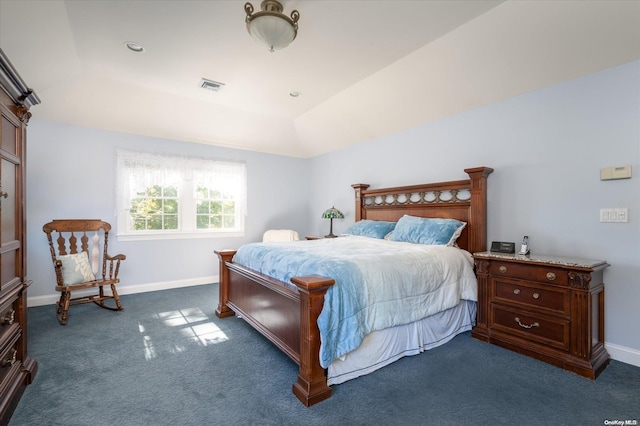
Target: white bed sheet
<point>425,280</point>
<point>382,347</point>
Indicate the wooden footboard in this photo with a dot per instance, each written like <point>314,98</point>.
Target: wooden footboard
<point>286,316</point>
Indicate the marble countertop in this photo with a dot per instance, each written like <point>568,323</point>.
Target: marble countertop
<point>539,258</point>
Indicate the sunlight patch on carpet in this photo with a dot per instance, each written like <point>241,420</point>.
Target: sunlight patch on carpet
<point>174,332</point>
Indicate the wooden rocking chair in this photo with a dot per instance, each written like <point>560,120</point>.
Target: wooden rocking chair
<point>79,268</point>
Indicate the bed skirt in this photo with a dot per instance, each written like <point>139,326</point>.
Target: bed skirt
<point>383,347</point>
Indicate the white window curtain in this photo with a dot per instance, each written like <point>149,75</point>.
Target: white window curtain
<point>137,171</point>
<point>224,177</point>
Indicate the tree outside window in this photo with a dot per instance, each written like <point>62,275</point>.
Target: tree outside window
<point>215,209</point>
<point>156,208</point>
<point>162,196</point>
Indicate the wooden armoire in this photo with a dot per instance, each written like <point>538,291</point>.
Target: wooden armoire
<point>17,369</point>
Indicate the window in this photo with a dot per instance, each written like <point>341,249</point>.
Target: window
<point>175,197</point>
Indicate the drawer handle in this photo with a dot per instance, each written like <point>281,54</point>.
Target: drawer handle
<point>516,291</point>
<point>536,295</point>
<point>502,269</point>
<point>12,360</point>
<point>9,319</point>
<point>551,276</point>
<point>535,324</point>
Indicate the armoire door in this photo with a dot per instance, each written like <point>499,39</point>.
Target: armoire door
<point>11,275</point>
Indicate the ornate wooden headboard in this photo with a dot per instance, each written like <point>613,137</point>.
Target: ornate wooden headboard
<point>464,200</point>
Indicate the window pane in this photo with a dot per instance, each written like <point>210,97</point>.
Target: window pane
<point>170,222</point>
<point>229,207</point>
<point>229,221</point>
<point>157,192</point>
<point>202,192</point>
<point>154,191</point>
<point>202,207</point>
<point>202,222</point>
<point>170,206</point>
<point>139,224</point>
<point>170,191</point>
<point>155,210</point>
<point>215,209</point>
<point>154,222</point>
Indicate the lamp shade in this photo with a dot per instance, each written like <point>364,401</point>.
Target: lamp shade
<point>332,213</point>
<point>270,27</point>
<point>272,32</point>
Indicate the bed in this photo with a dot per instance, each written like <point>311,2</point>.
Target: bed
<point>287,312</point>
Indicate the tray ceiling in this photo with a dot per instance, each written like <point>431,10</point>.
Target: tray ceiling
<point>364,69</point>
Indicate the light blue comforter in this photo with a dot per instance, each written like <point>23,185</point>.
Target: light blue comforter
<point>379,283</point>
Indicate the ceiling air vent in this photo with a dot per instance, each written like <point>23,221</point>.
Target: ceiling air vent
<point>211,85</point>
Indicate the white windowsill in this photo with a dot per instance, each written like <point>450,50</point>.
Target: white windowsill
<point>177,235</point>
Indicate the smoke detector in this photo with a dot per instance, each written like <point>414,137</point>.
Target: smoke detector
<point>210,85</point>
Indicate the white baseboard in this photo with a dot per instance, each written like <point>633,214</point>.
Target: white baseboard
<point>624,354</point>
<point>51,299</point>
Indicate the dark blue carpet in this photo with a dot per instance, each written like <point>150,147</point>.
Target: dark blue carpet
<point>168,360</point>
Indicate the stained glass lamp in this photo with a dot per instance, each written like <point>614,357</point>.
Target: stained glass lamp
<point>331,214</point>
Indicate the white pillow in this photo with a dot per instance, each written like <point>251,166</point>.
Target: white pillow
<point>76,268</point>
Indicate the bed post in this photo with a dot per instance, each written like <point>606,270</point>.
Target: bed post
<point>311,386</point>
<point>478,242</point>
<point>359,187</point>
<point>478,209</point>
<point>223,288</point>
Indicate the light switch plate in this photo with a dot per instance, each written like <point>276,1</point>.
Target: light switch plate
<point>614,215</point>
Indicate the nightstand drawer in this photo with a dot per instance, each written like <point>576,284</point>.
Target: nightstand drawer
<point>546,330</point>
<point>549,298</point>
<point>529,272</point>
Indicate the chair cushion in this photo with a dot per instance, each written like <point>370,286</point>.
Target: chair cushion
<point>76,268</point>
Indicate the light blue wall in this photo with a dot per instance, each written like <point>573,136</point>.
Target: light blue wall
<point>71,174</point>
<point>547,148</point>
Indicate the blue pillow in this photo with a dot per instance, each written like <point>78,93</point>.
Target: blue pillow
<point>371,228</point>
<point>422,230</point>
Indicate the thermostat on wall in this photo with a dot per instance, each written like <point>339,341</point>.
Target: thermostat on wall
<point>611,173</point>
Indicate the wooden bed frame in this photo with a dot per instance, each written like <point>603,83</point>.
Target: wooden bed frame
<point>287,315</point>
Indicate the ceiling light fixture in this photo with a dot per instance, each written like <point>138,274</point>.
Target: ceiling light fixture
<point>270,27</point>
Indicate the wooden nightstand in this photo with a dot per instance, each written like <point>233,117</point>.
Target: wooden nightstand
<point>547,307</point>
